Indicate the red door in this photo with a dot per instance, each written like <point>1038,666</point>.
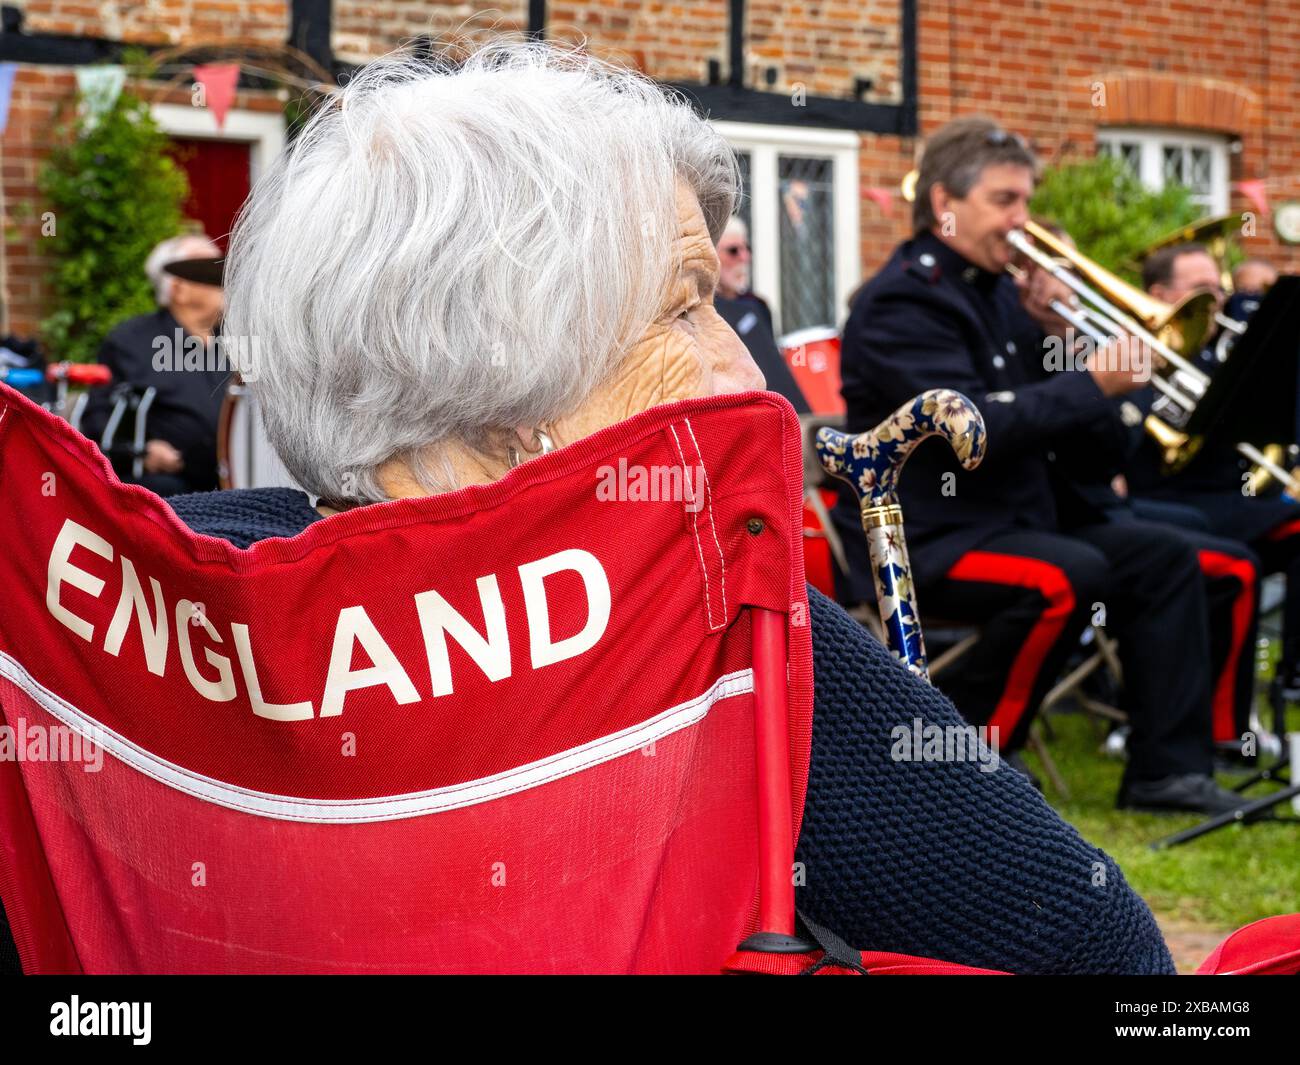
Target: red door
<point>219,182</point>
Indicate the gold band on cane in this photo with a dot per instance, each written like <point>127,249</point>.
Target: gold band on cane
<point>880,516</point>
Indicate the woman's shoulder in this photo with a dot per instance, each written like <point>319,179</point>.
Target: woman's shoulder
<point>843,649</point>
<point>245,515</point>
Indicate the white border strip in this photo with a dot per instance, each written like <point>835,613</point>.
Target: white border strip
<point>387,808</point>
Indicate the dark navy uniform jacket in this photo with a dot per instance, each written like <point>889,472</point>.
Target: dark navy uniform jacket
<point>1212,482</point>
<point>932,319</point>
<point>188,404</point>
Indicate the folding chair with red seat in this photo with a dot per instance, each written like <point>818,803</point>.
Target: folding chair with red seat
<point>559,723</point>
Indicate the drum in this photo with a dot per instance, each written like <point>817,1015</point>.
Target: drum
<point>245,458</point>
<point>814,358</point>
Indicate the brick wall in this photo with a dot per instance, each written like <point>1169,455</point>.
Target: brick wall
<point>365,29</point>
<point>161,21</point>
<point>37,92</point>
<point>1035,66</point>
<point>1227,69</point>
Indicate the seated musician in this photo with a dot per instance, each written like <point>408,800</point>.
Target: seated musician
<point>161,350</point>
<point>1090,484</point>
<point>988,547</point>
<point>527,170</point>
<point>1217,480</point>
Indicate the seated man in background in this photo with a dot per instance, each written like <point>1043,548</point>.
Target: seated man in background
<point>749,315</point>
<point>1253,277</point>
<point>160,350</point>
<point>1088,478</point>
<point>1217,481</point>
<point>988,546</point>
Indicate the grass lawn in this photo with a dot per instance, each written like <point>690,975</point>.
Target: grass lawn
<point>1220,881</point>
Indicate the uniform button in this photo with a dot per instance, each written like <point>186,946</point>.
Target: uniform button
<point>1051,456</point>
<point>1011,347</point>
<point>998,362</point>
<point>926,260</point>
<point>970,274</point>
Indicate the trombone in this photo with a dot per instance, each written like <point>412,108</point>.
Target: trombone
<point>1114,308</point>
<point>1169,330</point>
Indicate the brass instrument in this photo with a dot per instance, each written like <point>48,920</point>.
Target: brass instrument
<point>1114,308</point>
<point>1105,307</point>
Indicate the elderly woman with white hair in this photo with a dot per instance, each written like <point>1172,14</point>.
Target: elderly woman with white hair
<point>458,267</point>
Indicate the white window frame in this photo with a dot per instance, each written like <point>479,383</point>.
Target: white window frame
<point>1151,144</point>
<point>765,144</point>
<point>262,131</point>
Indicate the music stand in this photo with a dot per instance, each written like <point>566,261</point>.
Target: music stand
<point>1252,399</point>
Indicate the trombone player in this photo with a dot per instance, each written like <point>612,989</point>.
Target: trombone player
<point>989,547</point>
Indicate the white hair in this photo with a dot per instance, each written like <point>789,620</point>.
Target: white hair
<point>452,250</point>
<point>735,225</point>
<point>186,246</point>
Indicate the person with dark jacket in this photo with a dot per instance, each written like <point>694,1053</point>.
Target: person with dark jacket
<point>988,547</point>
<point>1090,482</point>
<point>749,315</point>
<point>1217,481</point>
<point>171,350</point>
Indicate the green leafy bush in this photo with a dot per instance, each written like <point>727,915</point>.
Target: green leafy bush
<point>1111,215</point>
<point>114,193</point>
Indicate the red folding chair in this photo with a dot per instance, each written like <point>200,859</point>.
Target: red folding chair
<point>560,723</point>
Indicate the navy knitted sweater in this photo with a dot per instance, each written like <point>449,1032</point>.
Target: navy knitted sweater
<point>935,858</point>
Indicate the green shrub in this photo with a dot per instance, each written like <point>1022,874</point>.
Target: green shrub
<point>114,194</point>
<point>1111,215</point>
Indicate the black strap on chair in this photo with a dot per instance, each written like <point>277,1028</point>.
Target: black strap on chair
<point>835,952</point>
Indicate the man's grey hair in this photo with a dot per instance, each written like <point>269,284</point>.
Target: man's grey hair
<point>186,246</point>
<point>449,251</point>
<point>957,154</point>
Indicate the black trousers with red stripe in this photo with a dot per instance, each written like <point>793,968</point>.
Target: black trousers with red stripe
<point>1271,526</point>
<point>1032,593</point>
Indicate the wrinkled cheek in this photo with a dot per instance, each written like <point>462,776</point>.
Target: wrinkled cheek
<point>734,369</point>
<point>685,375</point>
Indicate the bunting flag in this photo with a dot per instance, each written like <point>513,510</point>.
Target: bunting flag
<point>7,72</point>
<point>99,88</point>
<point>218,81</point>
<point>881,197</point>
<point>1254,191</point>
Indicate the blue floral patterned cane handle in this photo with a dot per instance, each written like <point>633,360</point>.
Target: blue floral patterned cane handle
<point>872,462</point>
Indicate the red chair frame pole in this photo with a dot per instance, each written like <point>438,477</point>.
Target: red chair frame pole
<point>772,740</point>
